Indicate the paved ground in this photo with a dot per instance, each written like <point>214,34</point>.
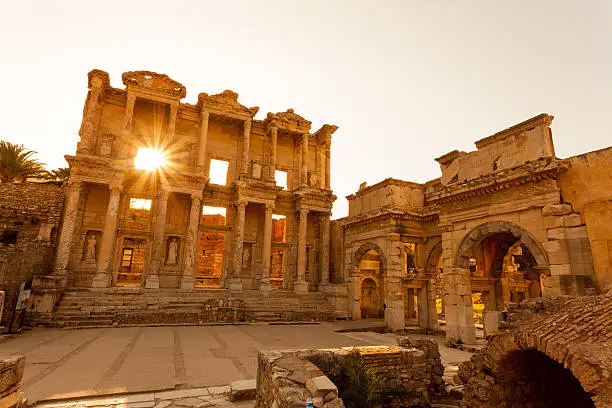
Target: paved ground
<point>64,363</point>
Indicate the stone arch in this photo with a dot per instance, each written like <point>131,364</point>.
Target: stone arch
<point>363,249</point>
<point>433,256</point>
<point>494,227</point>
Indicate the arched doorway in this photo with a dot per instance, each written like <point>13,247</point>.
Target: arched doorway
<point>505,263</point>
<point>370,300</point>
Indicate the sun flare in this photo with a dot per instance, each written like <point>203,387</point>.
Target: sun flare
<point>149,159</point>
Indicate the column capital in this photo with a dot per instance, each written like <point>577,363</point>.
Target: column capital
<point>115,187</point>
<point>204,115</point>
<point>74,185</point>
<point>273,130</point>
<point>270,207</point>
<point>241,203</point>
<point>304,211</point>
<point>196,196</point>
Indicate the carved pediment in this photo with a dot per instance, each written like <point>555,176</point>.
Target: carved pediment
<point>226,101</point>
<point>154,81</point>
<point>288,120</point>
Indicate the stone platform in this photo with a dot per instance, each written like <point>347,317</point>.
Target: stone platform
<point>136,306</point>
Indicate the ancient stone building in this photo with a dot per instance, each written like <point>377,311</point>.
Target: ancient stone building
<point>166,194</point>
<point>506,222</point>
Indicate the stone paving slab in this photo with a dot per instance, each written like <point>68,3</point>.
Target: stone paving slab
<point>62,364</point>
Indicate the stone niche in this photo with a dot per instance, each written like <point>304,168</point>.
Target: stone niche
<point>412,374</point>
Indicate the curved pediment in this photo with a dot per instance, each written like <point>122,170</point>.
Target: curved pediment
<point>161,83</point>
<point>289,121</point>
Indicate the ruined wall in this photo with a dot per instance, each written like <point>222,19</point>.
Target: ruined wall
<point>587,186</point>
<point>30,216</point>
<point>387,193</point>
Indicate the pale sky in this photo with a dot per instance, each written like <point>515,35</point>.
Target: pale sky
<point>405,81</point>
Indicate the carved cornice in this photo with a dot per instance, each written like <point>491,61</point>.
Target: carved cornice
<point>529,172</point>
<point>152,81</point>
<point>225,102</point>
<point>395,213</point>
<point>288,121</point>
<point>542,119</point>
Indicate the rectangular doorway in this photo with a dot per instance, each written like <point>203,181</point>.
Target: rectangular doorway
<point>209,272</point>
<point>277,268</point>
<point>132,262</point>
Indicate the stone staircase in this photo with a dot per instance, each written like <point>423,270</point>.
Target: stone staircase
<point>133,306</point>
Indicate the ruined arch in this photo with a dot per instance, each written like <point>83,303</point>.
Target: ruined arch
<point>363,249</point>
<point>497,227</point>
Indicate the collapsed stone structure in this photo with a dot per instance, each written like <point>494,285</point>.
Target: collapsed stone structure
<point>507,222</point>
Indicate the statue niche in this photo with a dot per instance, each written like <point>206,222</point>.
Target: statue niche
<point>172,252</point>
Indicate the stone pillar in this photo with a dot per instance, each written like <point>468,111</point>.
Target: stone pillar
<point>267,249</point>
<point>192,243</point>
<point>322,166</point>
<point>91,117</point>
<point>103,277</point>
<point>272,165</point>
<point>64,245</point>
<point>157,244</point>
<point>301,286</point>
<point>325,250</point>
<point>203,140</point>
<point>234,281</point>
<point>304,170</point>
<point>172,120</point>
<point>128,125</point>
<point>246,142</point>
<point>327,168</point>
<point>459,311</point>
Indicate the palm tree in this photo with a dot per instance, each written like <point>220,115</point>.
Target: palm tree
<point>61,174</point>
<point>17,164</point>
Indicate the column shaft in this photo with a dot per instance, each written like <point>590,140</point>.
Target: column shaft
<point>325,250</point>
<point>267,248</point>
<point>235,282</point>
<point>327,169</point>
<point>157,244</point>
<point>301,285</point>
<point>64,245</point>
<point>322,166</point>
<point>192,244</point>
<point>304,171</point>
<point>172,121</point>
<point>203,139</point>
<point>246,141</point>
<point>272,165</point>
<point>105,261</point>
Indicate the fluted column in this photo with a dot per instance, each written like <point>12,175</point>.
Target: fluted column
<point>325,250</point>
<point>203,140</point>
<point>235,282</point>
<point>67,232</point>
<point>192,243</point>
<point>267,249</point>
<point>105,259</point>
<point>304,170</point>
<point>246,141</point>
<point>172,121</point>
<point>157,244</point>
<point>272,164</point>
<point>301,286</point>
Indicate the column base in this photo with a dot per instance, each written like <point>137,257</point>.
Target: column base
<point>152,282</point>
<point>300,287</point>
<point>101,280</point>
<point>187,282</point>
<point>265,286</point>
<point>234,284</point>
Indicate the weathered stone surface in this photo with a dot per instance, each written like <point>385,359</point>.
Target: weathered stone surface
<point>243,390</point>
<point>557,209</point>
<point>320,386</point>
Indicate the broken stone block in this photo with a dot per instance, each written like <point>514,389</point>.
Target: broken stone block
<point>243,390</point>
<point>320,386</point>
<point>557,209</point>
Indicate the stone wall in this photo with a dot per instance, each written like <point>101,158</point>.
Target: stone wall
<point>285,378</point>
<point>11,373</point>
<point>30,215</point>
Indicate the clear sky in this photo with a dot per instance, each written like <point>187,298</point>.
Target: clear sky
<point>406,81</point>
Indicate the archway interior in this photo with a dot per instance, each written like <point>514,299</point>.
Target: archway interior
<point>372,299</point>
<point>503,270</point>
<point>529,378</point>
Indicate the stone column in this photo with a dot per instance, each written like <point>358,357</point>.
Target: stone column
<point>325,250</point>
<point>246,142</point>
<point>103,276</point>
<point>192,243</point>
<point>272,164</point>
<point>304,170</point>
<point>91,117</point>
<point>267,249</point>
<point>235,282</point>
<point>327,169</point>
<point>203,140</point>
<point>172,121</point>
<point>459,311</point>
<point>322,166</point>
<point>157,244</point>
<point>301,286</point>
<point>64,245</point>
